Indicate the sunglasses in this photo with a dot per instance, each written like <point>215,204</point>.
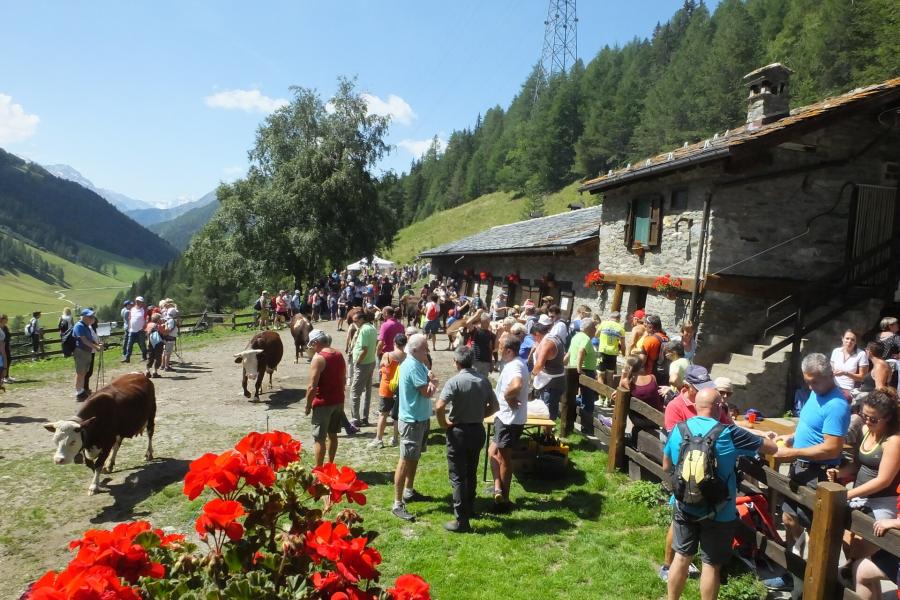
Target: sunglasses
<point>872,420</point>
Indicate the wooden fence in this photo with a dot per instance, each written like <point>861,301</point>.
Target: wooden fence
<point>641,458</point>
<point>21,345</point>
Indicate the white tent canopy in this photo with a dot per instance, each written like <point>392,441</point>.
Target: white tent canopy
<point>377,262</point>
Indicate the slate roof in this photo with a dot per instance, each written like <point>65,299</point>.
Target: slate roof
<point>722,145</point>
<point>556,233</point>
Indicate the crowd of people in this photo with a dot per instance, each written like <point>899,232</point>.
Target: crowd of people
<point>513,361</point>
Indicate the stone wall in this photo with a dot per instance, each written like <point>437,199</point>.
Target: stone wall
<point>568,269</point>
<point>749,218</point>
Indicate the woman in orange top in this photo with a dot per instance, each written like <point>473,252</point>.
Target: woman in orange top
<point>387,403</point>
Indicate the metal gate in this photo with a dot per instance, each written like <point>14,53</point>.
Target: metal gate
<point>871,223</point>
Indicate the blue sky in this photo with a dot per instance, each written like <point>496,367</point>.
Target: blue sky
<point>161,100</point>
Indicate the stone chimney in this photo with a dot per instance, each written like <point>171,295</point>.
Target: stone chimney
<point>769,98</point>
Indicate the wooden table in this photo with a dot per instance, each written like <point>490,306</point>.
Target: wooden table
<point>531,423</point>
<point>778,426</point>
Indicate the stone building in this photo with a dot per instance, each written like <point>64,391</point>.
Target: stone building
<point>782,224</point>
<point>548,256</point>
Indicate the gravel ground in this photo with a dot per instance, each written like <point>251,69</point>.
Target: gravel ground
<point>200,409</point>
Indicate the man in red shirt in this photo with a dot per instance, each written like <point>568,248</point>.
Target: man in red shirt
<point>652,343</point>
<point>325,394</point>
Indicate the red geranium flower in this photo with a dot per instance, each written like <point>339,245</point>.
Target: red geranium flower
<point>328,583</point>
<point>96,583</point>
<point>275,449</point>
<point>219,472</point>
<point>410,587</point>
<point>341,482</point>
<point>117,550</point>
<point>358,561</point>
<point>167,540</point>
<point>326,541</point>
<point>221,515</point>
<point>353,593</point>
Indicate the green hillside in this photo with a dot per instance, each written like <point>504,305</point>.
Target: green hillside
<point>181,229</point>
<point>20,293</point>
<point>498,208</point>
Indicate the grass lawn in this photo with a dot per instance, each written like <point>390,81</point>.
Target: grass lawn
<point>20,294</point>
<point>498,208</point>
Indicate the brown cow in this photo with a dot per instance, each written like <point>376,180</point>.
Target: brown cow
<point>300,329</point>
<point>261,356</point>
<point>122,409</point>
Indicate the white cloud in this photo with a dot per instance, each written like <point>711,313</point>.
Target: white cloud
<point>246,100</point>
<point>395,107</point>
<point>419,147</point>
<point>15,124</point>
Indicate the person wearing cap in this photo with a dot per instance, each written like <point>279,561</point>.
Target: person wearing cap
<point>637,331</point>
<point>611,334</point>
<point>583,358</point>
<point>325,394</point>
<point>86,344</point>
<point>726,390</point>
<point>262,305</point>
<point>529,315</point>
<point>478,335</point>
<point>169,332</point>
<point>709,529</point>
<point>134,324</point>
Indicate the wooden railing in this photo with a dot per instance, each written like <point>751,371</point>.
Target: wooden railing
<point>641,458</point>
<point>21,346</point>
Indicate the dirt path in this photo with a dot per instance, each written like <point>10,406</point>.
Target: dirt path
<point>200,409</point>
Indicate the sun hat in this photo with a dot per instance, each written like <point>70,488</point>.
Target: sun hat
<point>723,384</point>
<point>545,320</point>
<point>172,312</point>
<point>316,335</point>
<point>139,299</point>
<point>698,377</point>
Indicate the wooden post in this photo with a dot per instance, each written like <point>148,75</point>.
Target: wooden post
<point>617,298</point>
<point>617,432</point>
<point>233,321</point>
<point>829,518</point>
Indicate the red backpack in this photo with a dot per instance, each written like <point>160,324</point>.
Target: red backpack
<point>433,311</point>
<point>753,511</point>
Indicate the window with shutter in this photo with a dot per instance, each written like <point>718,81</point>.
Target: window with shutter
<point>655,221</point>
<point>629,225</point>
<point>643,208</point>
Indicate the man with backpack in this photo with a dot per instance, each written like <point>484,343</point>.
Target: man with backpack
<point>655,361</point>
<point>703,452</point>
<point>36,334</point>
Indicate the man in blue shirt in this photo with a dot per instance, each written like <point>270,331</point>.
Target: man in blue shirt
<point>697,527</point>
<point>86,345</point>
<point>415,389</point>
<point>818,441</point>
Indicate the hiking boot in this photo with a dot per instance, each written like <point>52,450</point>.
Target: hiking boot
<point>780,582</point>
<point>125,360</point>
<point>664,573</point>
<point>457,527</point>
<point>413,496</point>
<point>351,429</point>
<point>401,513</point>
<point>693,571</point>
<point>375,444</point>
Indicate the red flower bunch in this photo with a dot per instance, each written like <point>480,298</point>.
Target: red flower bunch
<point>485,275</point>
<point>410,587</point>
<point>221,516</point>
<point>667,283</point>
<point>104,558</point>
<point>340,482</point>
<point>96,583</point>
<point>255,458</point>
<point>513,278</point>
<point>594,279</point>
<point>353,559</point>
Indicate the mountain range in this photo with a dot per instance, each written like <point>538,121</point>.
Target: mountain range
<point>69,219</point>
<point>181,229</point>
<point>151,216</point>
<point>121,201</point>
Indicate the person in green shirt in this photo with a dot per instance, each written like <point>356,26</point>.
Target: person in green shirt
<point>583,358</point>
<point>612,343</point>
<point>363,361</point>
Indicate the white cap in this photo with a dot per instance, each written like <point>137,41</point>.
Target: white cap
<point>545,320</point>
<point>139,299</point>
<point>316,335</point>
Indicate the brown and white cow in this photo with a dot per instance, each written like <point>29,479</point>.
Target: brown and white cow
<point>300,329</point>
<point>261,356</point>
<point>123,409</point>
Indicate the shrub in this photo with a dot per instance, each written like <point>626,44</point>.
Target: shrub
<point>273,530</point>
<point>645,493</point>
<point>743,587</point>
